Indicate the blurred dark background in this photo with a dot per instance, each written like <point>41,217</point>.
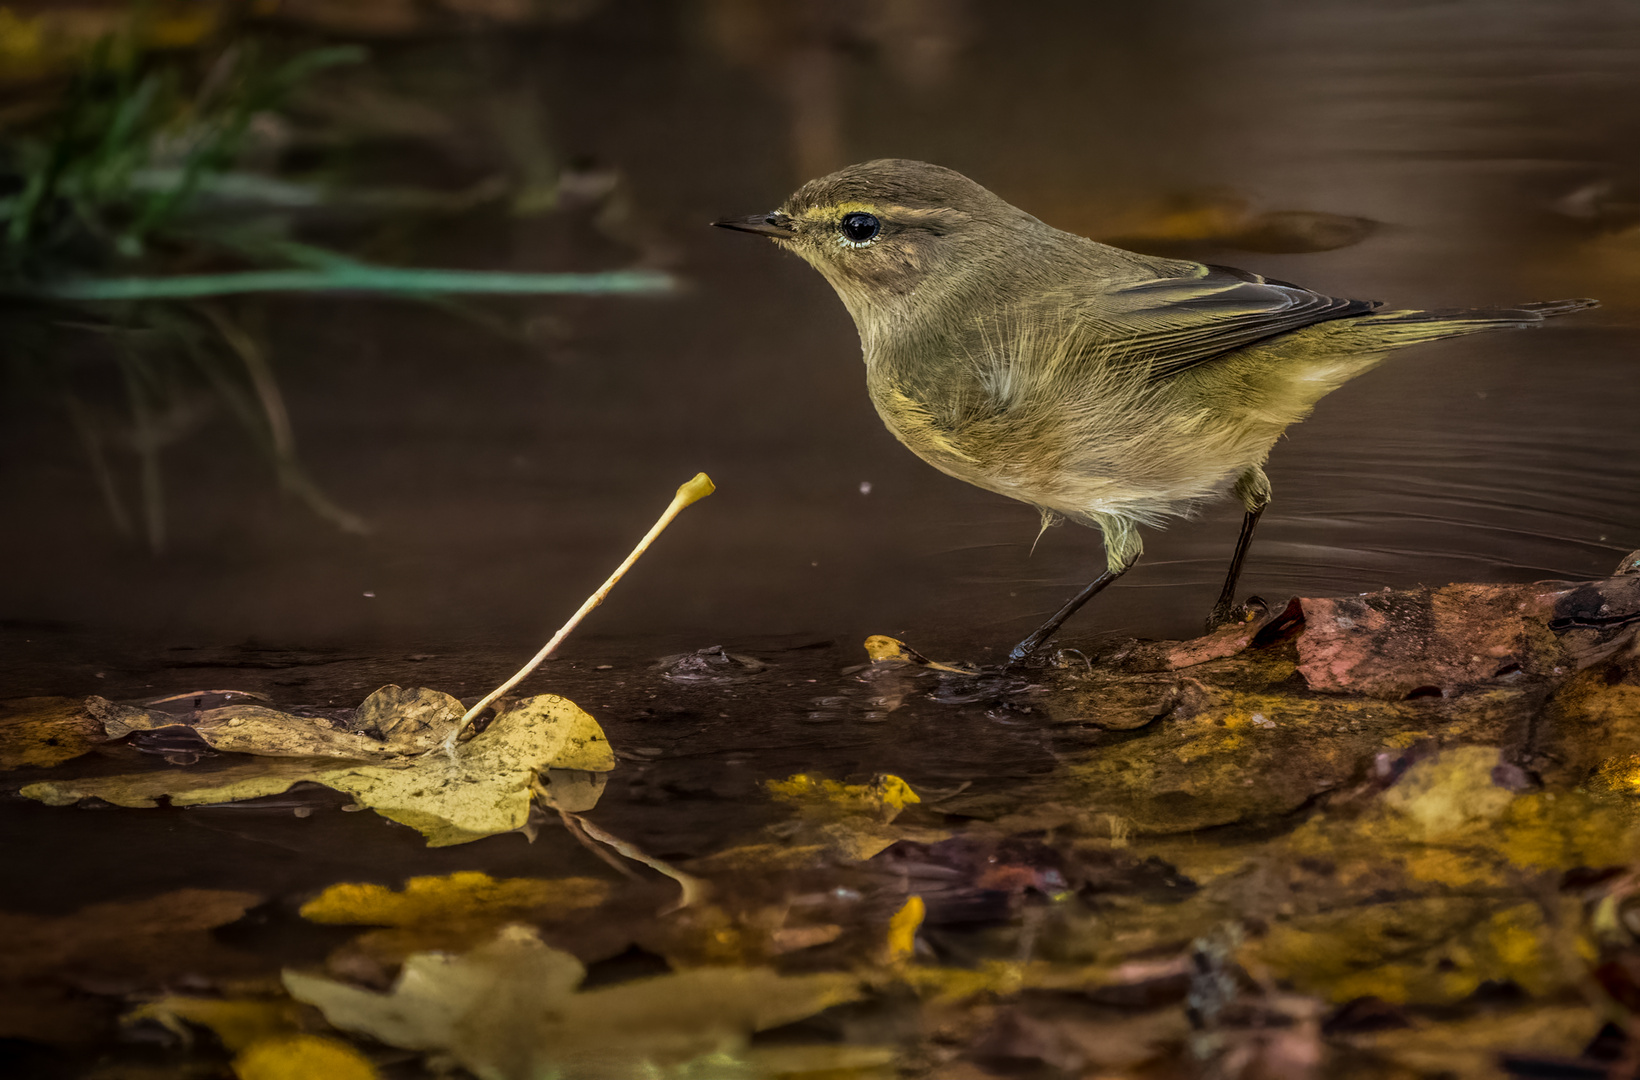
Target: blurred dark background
<point>505,453</point>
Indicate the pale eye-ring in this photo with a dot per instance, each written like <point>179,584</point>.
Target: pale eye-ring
<point>859,229</point>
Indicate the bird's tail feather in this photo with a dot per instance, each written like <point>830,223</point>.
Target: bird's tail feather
<point>1411,326</point>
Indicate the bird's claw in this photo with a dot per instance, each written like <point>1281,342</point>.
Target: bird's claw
<point>1025,650</point>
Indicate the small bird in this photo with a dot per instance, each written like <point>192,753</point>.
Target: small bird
<point>1096,384</point>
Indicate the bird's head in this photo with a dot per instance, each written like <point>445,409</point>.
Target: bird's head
<point>892,235</point>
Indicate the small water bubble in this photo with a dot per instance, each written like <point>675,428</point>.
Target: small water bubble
<point>865,487</point>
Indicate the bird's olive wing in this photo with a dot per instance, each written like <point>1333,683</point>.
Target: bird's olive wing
<point>1177,323</point>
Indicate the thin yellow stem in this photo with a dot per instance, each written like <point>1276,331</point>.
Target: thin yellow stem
<point>693,491</point>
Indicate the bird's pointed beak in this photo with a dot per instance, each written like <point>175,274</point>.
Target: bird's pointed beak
<point>773,224</point>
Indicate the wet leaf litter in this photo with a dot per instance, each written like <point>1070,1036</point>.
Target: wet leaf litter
<point>1392,832</point>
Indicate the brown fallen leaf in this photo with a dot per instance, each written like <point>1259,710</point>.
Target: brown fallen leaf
<point>410,721</point>
<point>1389,644</point>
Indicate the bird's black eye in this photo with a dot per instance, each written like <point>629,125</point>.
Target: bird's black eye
<point>859,228</point>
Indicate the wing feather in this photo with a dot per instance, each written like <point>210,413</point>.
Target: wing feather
<point>1177,323</point>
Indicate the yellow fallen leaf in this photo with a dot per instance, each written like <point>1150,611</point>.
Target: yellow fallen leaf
<point>881,647</point>
<point>302,1057</point>
<point>902,930</point>
<point>466,895</point>
<point>584,746</point>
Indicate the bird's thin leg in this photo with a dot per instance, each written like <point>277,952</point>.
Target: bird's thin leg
<point>1223,611</point>
<point>1047,629</point>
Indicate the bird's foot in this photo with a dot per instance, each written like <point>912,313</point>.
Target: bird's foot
<point>1228,613</point>
<point>1022,653</point>
<point>1029,650</point>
